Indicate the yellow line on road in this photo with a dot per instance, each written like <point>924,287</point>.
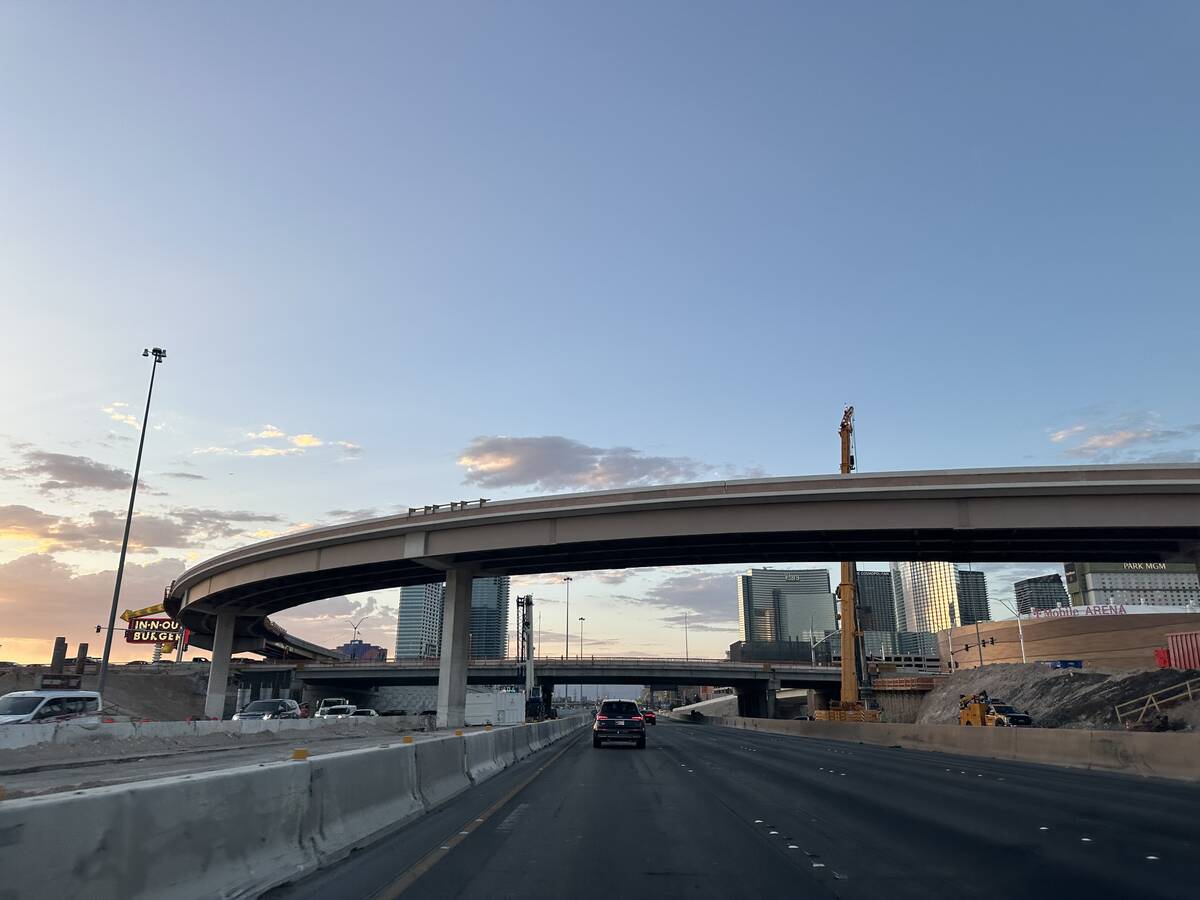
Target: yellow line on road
<point>407,878</point>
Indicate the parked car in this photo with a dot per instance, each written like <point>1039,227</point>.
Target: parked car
<point>619,720</point>
<point>334,712</point>
<point>366,713</point>
<point>21,707</point>
<point>268,709</point>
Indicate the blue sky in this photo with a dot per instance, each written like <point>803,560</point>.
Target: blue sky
<point>692,231</point>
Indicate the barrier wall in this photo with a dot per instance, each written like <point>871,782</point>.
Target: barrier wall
<point>240,831</point>
<point>480,749</point>
<point>360,795</point>
<point>1166,755</point>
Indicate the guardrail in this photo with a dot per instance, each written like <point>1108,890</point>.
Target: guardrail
<point>1176,693</point>
<point>433,662</point>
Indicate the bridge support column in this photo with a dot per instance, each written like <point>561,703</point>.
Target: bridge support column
<point>755,702</point>
<point>218,669</point>
<point>456,649</point>
<point>547,699</point>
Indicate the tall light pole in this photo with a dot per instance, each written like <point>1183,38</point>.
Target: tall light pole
<point>567,651</point>
<point>581,621</point>
<point>686,655</point>
<point>159,355</point>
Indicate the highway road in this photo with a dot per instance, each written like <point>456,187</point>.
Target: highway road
<point>712,812</point>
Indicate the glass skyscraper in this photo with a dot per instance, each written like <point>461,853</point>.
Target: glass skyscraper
<point>786,605</point>
<point>877,605</point>
<point>926,592</point>
<point>972,598</point>
<point>933,596</point>
<point>489,617</point>
<point>1042,592</point>
<point>419,621</point>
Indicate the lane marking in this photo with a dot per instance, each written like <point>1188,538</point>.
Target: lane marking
<point>409,877</point>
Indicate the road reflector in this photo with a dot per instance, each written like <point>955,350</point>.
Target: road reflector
<point>487,727</point>
<point>407,739</point>
<point>458,732</point>
<point>299,753</point>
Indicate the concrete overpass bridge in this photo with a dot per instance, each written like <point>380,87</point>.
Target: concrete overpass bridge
<point>754,683</point>
<point>1120,513</point>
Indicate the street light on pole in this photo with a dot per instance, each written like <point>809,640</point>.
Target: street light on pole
<point>686,655</point>
<point>1020,630</point>
<point>355,626</point>
<point>581,621</point>
<point>159,355</point>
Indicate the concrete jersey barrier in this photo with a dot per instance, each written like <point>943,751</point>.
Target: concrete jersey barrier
<point>240,831</point>
<point>237,827</point>
<point>360,795</point>
<point>441,770</point>
<point>481,761</point>
<point>1167,755</point>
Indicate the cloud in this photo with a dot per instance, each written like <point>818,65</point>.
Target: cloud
<point>298,444</point>
<point>328,622</point>
<point>709,597</point>
<point>553,463</point>
<point>191,476</point>
<point>61,471</point>
<point>1062,434</point>
<point>180,528</point>
<point>1126,439</point>
<point>41,597</point>
<point>268,431</point>
<point>116,413</point>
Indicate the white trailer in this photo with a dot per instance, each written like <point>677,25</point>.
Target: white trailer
<point>495,708</point>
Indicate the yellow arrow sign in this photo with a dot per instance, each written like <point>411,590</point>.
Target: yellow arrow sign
<point>148,611</point>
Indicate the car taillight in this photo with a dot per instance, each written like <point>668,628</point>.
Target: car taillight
<point>601,718</point>
<point>637,718</point>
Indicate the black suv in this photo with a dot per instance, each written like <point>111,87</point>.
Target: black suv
<point>619,720</point>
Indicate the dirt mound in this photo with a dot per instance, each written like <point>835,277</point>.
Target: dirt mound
<point>1055,698</point>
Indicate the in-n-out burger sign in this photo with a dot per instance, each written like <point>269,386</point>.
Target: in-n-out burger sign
<point>155,631</point>
<point>1066,612</point>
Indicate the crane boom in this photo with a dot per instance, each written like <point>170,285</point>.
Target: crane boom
<point>850,694</point>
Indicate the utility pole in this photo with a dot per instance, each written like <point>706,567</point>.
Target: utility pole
<point>159,355</point>
<point>686,654</point>
<point>979,643</point>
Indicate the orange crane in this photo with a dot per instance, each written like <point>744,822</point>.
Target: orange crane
<point>850,698</point>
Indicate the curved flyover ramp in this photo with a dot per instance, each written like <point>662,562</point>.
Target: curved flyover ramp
<point>1120,513</point>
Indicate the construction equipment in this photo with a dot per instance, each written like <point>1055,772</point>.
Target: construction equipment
<point>982,710</point>
<point>851,706</point>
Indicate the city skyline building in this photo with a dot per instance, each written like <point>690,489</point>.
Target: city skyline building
<point>876,601</point>
<point>489,617</point>
<point>1041,592</point>
<point>1132,584</point>
<point>359,649</point>
<point>419,621</point>
<point>785,605</point>
<point>972,597</point>
<point>926,595</point>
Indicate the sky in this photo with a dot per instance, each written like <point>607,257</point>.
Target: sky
<point>406,253</point>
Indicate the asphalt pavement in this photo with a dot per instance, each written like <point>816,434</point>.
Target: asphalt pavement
<point>707,812</point>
